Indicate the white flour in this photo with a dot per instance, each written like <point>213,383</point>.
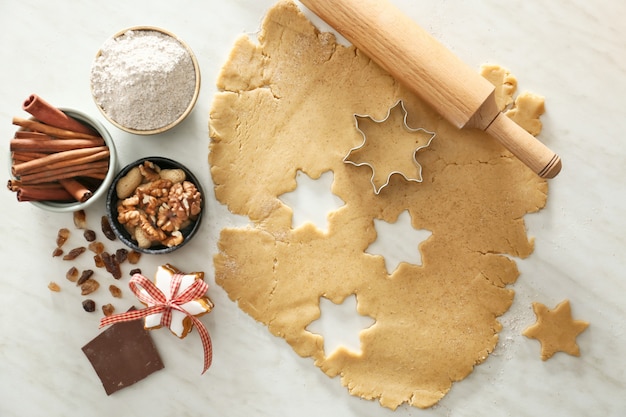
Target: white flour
<point>143,79</point>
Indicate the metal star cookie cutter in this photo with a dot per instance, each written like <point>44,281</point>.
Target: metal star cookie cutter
<point>408,128</point>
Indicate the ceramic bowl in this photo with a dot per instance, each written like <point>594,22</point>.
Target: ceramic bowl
<point>169,124</point>
<point>65,207</point>
<point>120,230</point>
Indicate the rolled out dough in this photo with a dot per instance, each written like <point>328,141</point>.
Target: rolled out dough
<point>287,103</point>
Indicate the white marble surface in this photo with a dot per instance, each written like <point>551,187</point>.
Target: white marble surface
<point>572,52</point>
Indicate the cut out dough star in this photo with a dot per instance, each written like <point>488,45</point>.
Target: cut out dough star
<point>556,330</point>
<point>397,242</point>
<point>340,325</point>
<point>312,200</point>
<point>383,141</point>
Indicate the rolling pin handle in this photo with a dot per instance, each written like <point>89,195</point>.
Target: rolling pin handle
<point>525,146</point>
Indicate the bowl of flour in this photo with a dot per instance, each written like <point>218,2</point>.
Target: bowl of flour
<point>145,80</point>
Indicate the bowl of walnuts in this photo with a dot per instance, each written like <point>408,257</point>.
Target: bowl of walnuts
<point>155,205</point>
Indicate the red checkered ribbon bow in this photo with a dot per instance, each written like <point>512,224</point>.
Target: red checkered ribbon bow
<point>158,302</point>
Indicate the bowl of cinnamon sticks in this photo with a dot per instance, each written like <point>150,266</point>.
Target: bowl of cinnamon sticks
<point>62,160</point>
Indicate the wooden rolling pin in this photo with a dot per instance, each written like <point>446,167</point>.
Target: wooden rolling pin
<point>430,70</point>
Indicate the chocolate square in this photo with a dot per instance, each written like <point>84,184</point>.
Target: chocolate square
<point>122,355</point>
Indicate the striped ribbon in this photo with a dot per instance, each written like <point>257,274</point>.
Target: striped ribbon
<point>157,302</point>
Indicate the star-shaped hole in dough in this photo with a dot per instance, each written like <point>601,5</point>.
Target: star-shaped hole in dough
<point>391,242</point>
<point>556,329</point>
<point>340,325</point>
<point>181,324</point>
<point>312,200</point>
<point>383,141</point>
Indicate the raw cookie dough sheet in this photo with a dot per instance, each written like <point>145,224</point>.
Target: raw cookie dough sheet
<point>287,103</point>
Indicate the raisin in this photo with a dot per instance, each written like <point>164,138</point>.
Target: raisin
<point>111,265</point>
<point>87,273</point>
<point>96,247</point>
<point>89,286</point>
<point>133,257</point>
<point>89,235</point>
<point>89,306</point>
<point>72,274</point>
<point>74,253</point>
<point>121,255</point>
<point>57,252</point>
<point>80,219</point>
<point>62,236</point>
<point>135,271</point>
<point>108,309</point>
<point>106,228</point>
<point>97,259</point>
<point>53,286</point>
<point>115,291</point>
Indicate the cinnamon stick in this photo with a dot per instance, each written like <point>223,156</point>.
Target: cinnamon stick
<point>39,192</point>
<point>21,168</point>
<point>98,156</point>
<point>50,130</point>
<point>95,170</point>
<point>26,156</point>
<point>50,115</point>
<point>52,145</point>
<point>29,134</point>
<point>14,184</point>
<point>76,189</point>
<point>35,193</point>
